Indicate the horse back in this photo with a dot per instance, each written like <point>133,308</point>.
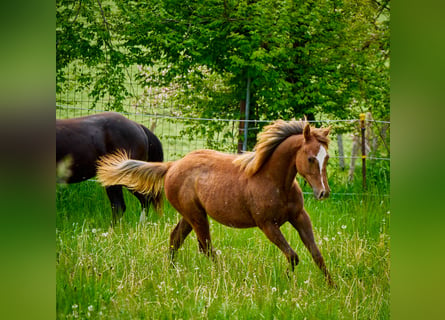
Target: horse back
<point>86,139</point>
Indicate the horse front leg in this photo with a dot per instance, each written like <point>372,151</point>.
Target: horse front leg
<point>303,224</point>
<point>273,233</point>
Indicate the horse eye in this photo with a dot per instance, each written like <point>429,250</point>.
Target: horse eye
<point>311,159</point>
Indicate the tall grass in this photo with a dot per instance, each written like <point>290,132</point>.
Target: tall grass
<point>125,272</point>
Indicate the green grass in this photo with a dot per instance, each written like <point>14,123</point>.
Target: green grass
<point>125,272</point>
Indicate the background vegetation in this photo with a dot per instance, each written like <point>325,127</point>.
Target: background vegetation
<point>322,59</point>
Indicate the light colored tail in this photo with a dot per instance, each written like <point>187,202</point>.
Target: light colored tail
<point>143,177</point>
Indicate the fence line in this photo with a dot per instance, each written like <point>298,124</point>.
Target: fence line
<point>210,119</point>
<point>163,116</point>
<point>367,157</point>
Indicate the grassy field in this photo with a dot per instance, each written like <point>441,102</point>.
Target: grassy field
<point>125,272</point>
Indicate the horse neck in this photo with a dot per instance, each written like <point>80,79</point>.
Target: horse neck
<point>281,166</point>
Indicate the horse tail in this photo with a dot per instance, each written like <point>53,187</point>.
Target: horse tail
<point>143,177</point>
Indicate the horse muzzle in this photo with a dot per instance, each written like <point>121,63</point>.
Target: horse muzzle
<point>321,194</point>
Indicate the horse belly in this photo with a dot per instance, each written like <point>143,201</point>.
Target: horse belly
<point>224,202</point>
<point>231,216</point>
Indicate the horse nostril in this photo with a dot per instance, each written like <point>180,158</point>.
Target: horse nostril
<point>321,195</point>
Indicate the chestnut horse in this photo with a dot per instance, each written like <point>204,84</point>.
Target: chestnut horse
<point>82,141</point>
<point>256,189</point>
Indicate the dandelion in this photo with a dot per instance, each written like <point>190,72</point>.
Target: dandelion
<point>274,289</point>
<point>325,238</point>
<point>339,233</point>
<point>306,281</point>
<point>161,285</point>
<point>333,238</point>
<point>74,306</point>
<point>90,308</point>
<point>93,230</point>
<point>343,227</point>
<point>105,234</point>
<point>218,252</point>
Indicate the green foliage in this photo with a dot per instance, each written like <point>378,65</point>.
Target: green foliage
<point>310,58</point>
<point>87,35</point>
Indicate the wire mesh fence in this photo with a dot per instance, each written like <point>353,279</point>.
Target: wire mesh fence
<point>177,142</point>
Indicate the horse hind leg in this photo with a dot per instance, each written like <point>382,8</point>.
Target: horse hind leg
<point>116,197</point>
<point>202,230</point>
<point>145,205</point>
<point>178,235</point>
<point>197,218</point>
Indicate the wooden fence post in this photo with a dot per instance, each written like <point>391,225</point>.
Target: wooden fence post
<point>362,126</point>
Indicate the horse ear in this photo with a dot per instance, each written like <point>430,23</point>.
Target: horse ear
<point>307,132</point>
<point>326,131</point>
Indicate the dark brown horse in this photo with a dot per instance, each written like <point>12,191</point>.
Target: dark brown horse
<point>82,141</point>
<point>256,189</point>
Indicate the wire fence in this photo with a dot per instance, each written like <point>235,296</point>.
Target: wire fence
<point>171,130</point>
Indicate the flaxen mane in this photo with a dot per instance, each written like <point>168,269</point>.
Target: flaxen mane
<point>269,139</point>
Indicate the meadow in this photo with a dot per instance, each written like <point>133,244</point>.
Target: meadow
<point>125,272</point>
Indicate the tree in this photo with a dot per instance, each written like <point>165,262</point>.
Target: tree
<point>309,58</point>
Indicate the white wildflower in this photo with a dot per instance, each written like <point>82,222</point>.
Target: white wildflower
<point>90,308</point>
<point>343,226</point>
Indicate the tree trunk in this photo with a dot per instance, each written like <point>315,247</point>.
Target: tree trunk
<point>242,110</point>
